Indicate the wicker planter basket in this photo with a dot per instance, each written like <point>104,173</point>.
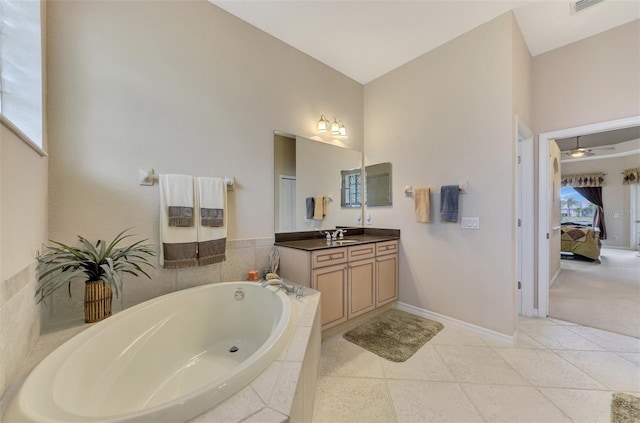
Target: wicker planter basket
<point>97,301</point>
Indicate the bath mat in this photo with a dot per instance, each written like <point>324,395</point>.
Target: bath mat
<point>394,335</point>
<point>625,408</point>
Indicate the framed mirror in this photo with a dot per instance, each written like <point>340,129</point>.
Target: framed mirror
<point>378,184</point>
<point>305,169</point>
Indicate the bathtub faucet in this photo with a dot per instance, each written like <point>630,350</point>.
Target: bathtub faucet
<point>282,284</point>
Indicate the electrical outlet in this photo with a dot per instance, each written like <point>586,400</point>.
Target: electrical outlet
<point>368,218</point>
<point>470,223</point>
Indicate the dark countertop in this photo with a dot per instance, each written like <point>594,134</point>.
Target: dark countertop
<point>322,244</point>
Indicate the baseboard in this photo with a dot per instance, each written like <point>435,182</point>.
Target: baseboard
<point>554,278</point>
<point>454,322</point>
<point>615,247</point>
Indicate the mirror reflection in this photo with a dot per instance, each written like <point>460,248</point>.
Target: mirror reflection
<point>305,169</point>
<point>378,184</point>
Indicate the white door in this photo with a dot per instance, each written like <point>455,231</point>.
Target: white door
<point>524,221</point>
<point>287,203</point>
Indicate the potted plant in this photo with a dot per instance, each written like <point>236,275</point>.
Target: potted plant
<point>101,266</point>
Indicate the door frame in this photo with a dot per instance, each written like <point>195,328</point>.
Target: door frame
<point>543,198</point>
<point>525,238</point>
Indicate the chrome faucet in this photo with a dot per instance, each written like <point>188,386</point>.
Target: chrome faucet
<point>326,234</point>
<point>339,233</point>
<point>289,289</point>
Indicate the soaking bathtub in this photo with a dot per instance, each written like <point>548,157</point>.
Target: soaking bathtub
<point>168,359</point>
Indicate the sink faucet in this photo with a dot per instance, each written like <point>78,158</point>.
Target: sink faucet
<point>340,233</point>
<point>282,284</point>
<point>326,234</point>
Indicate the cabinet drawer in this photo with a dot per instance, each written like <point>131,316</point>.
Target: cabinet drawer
<point>387,247</point>
<point>328,257</point>
<point>361,252</point>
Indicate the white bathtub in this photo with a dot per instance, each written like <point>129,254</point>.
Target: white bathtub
<point>167,359</point>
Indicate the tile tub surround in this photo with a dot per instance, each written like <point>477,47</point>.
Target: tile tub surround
<point>242,256</point>
<point>19,323</point>
<point>284,392</point>
<point>547,375</point>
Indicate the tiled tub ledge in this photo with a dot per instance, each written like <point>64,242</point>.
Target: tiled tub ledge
<point>284,392</point>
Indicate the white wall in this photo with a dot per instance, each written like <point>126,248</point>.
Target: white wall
<point>453,114</point>
<point>182,87</point>
<point>615,196</point>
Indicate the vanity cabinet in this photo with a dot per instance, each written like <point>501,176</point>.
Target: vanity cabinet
<point>387,273</point>
<point>353,280</point>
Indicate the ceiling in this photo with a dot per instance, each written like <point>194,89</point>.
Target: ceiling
<point>624,142</point>
<point>365,39</point>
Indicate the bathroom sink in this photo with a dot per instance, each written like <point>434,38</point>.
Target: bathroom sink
<point>345,241</point>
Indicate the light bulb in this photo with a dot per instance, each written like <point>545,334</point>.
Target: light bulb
<point>322,124</point>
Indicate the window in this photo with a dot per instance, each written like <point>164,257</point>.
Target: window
<point>21,68</point>
<point>575,208</point>
<point>351,188</point>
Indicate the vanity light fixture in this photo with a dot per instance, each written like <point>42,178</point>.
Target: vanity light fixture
<point>337,128</point>
<point>322,124</point>
<point>343,130</point>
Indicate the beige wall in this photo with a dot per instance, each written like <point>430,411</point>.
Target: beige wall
<point>23,229</point>
<point>590,81</point>
<point>615,196</point>
<point>182,87</point>
<point>452,111</point>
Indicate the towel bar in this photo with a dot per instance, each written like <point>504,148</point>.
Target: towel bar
<point>149,177</point>
<point>462,187</point>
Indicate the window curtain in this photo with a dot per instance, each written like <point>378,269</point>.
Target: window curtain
<point>631,176</point>
<point>583,180</point>
<point>594,195</point>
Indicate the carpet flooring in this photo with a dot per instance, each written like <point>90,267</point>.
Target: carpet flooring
<point>604,296</point>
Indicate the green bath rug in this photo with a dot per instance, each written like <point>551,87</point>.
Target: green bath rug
<point>625,408</point>
<point>394,334</point>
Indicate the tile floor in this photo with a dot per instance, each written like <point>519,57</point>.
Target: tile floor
<point>556,372</point>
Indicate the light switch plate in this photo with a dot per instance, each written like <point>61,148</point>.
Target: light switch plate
<point>470,223</point>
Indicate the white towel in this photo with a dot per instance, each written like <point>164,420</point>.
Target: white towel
<point>211,202</point>
<point>179,243</point>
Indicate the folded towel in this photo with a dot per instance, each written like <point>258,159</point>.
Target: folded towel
<point>179,243</point>
<point>211,193</point>
<point>311,205</point>
<point>449,203</point>
<point>179,199</point>
<point>320,210</point>
<point>211,231</point>
<point>422,204</point>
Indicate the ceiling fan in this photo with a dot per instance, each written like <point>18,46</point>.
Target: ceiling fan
<point>582,152</point>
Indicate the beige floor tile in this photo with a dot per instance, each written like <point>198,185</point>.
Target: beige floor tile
<point>522,341</point>
<point>425,364</point>
<point>608,340</point>
<point>558,337</point>
<point>352,400</point>
<point>562,322</point>
<point>513,404</point>
<point>340,357</point>
<point>422,401</point>
<point>632,357</point>
<point>457,336</point>
<point>535,320</point>
<point>545,368</point>
<point>608,368</point>
<point>584,406</point>
<point>478,365</point>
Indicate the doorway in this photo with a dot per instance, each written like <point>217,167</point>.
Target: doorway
<point>544,218</point>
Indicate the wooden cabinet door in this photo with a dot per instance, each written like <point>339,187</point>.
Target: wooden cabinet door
<point>386,279</point>
<point>331,281</point>
<point>361,287</point>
